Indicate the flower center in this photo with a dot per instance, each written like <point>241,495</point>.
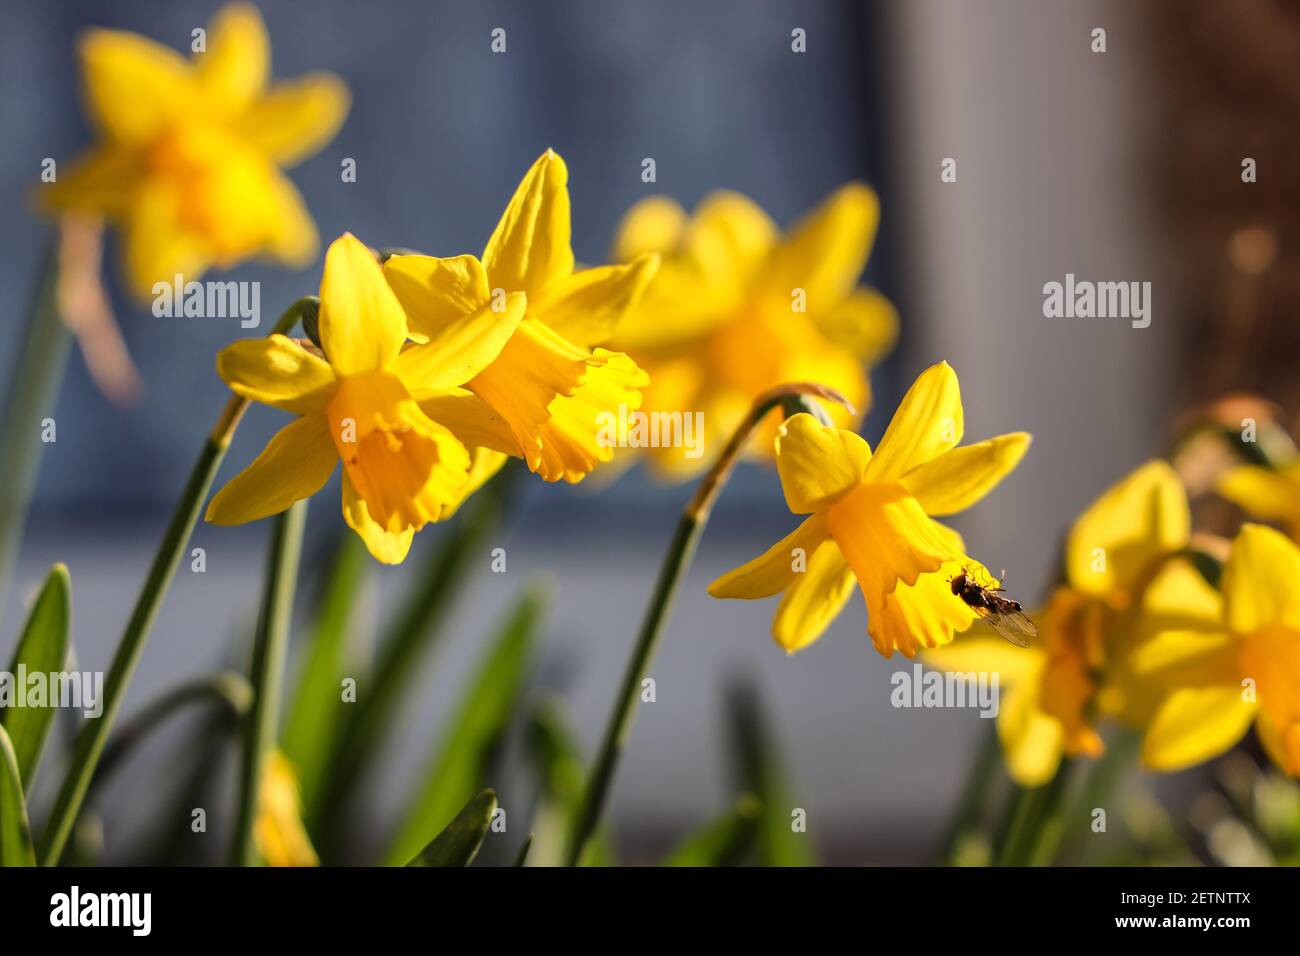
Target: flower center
<point>222,186</point>
<point>391,451</point>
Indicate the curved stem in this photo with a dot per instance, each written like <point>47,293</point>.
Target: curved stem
<point>94,733</point>
<point>677,559</point>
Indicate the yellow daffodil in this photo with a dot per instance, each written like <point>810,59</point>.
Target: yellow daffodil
<point>281,838</point>
<point>1269,493</point>
<point>737,309</point>
<point>551,385</point>
<point>870,520</point>
<point>1076,671</point>
<point>361,402</point>
<point>189,153</point>
<point>1228,659</point>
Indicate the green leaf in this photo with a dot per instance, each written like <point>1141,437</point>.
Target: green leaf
<point>472,737</point>
<point>15,832</point>
<point>314,717</point>
<point>551,749</point>
<point>522,856</point>
<point>760,772</point>
<point>725,842</point>
<point>458,844</point>
<point>43,649</point>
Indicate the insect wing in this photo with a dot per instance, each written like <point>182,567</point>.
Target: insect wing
<point>1009,623</point>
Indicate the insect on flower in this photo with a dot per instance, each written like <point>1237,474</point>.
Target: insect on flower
<point>1002,614</point>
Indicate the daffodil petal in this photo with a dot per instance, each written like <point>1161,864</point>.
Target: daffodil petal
<point>915,615</point>
<point>865,323</point>
<point>576,436</point>
<point>587,306</point>
<point>460,350</point>
<point>472,420</point>
<point>295,118</point>
<point>277,371</point>
<point>237,62</point>
<point>100,181</point>
<point>362,325</point>
<point>980,650</point>
<point>928,422</point>
<point>1032,741</point>
<point>529,249</point>
<point>818,463</point>
<point>384,546</point>
<point>731,237</point>
<point>1259,581</point>
<point>775,569</point>
<point>824,253</point>
<point>134,87</point>
<point>536,366</point>
<point>295,464</point>
<point>1262,492</point>
<point>437,292</point>
<point>158,247</point>
<point>1195,724</point>
<point>962,476</point>
<point>1281,743</point>
<point>281,837</point>
<point>293,239</point>
<point>1113,543</point>
<point>813,599</point>
<point>652,225</point>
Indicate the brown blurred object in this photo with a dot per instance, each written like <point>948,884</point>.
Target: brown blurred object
<point>1229,79</point>
<point>85,309</point>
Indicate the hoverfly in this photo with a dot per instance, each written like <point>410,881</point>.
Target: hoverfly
<point>1002,614</point>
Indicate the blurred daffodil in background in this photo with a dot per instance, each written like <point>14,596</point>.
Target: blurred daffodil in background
<point>551,383</point>
<point>1077,671</point>
<point>1230,659</point>
<point>281,837</point>
<point>1270,493</point>
<point>870,522</point>
<point>358,400</point>
<point>189,153</point>
<point>738,308</point>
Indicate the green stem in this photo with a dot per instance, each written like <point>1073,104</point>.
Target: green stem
<point>94,733</point>
<point>1036,822</point>
<point>229,691</point>
<point>36,376</point>
<point>974,795</point>
<point>269,653</point>
<point>676,562</point>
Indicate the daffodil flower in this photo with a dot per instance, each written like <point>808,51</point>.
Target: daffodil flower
<point>279,832</point>
<point>1228,659</point>
<point>189,153</point>
<point>1269,493</point>
<point>550,384</point>
<point>736,308</point>
<point>1077,670</point>
<point>359,402</point>
<point>870,522</point>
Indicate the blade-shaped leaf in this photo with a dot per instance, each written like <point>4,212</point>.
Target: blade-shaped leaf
<point>458,844</point>
<point>15,832</point>
<point>552,751</point>
<point>473,735</point>
<point>42,649</point>
<point>724,842</point>
<point>312,725</point>
<point>759,772</point>
<point>522,856</point>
